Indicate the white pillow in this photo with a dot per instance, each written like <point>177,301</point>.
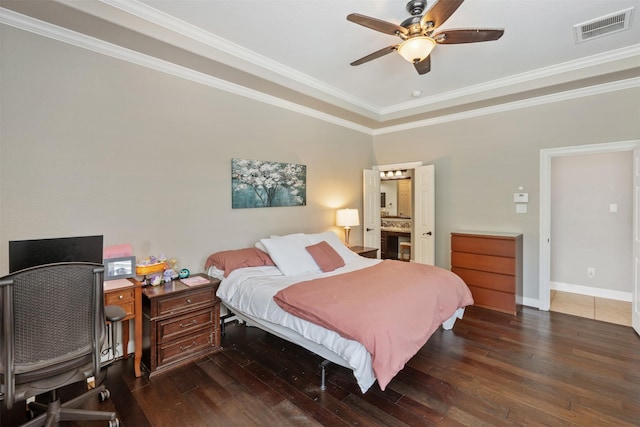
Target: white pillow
<point>289,253</point>
<point>261,246</point>
<point>330,237</point>
<point>216,272</point>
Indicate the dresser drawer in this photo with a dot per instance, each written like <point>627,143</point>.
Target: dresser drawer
<point>181,325</point>
<point>184,347</point>
<point>487,280</point>
<point>493,264</point>
<point>483,245</point>
<point>494,300</point>
<point>186,301</point>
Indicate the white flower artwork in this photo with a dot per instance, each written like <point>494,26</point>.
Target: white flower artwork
<point>261,184</point>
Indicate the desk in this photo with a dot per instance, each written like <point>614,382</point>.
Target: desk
<point>127,293</point>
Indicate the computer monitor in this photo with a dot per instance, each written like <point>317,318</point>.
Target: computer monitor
<point>30,253</point>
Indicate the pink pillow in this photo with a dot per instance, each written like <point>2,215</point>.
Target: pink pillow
<point>238,258</point>
<point>325,256</point>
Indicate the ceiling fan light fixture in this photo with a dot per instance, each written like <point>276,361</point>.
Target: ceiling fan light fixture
<point>416,48</point>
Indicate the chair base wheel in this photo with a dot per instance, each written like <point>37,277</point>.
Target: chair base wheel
<point>103,396</point>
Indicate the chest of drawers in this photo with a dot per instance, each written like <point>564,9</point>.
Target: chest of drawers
<point>181,323</point>
<point>491,265</point>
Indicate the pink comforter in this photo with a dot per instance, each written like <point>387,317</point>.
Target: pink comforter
<point>391,308</point>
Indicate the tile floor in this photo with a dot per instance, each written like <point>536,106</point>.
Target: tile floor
<point>606,310</point>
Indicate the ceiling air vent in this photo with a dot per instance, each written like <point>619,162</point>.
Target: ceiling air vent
<point>604,25</point>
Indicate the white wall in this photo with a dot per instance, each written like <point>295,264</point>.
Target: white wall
<point>480,162</point>
<point>94,145</point>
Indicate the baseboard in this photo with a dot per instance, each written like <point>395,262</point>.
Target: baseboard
<point>594,292</point>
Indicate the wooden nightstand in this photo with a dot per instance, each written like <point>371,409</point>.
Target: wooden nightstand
<point>365,252</point>
<point>181,323</point>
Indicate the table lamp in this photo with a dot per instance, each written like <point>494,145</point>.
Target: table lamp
<point>347,218</point>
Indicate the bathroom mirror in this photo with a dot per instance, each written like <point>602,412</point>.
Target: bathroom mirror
<point>397,198</point>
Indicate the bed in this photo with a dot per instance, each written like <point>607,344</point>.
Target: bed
<point>258,284</point>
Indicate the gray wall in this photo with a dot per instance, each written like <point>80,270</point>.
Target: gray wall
<point>91,144</point>
<point>480,162</point>
<point>94,145</point>
<point>584,232</point>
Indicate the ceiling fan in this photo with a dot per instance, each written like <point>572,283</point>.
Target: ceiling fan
<point>418,32</point>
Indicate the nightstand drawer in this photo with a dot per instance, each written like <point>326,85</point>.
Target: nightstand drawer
<point>124,298</point>
<point>176,326</point>
<point>118,296</point>
<point>183,348</point>
<point>186,301</point>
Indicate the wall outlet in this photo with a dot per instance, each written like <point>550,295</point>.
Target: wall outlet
<point>591,272</point>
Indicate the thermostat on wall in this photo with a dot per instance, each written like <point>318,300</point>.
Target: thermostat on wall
<point>520,197</point>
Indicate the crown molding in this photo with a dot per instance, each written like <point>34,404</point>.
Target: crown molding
<point>530,102</point>
<point>519,79</point>
<point>83,41</point>
<point>171,23</point>
<point>246,56</point>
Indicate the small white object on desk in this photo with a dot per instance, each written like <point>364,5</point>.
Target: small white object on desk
<point>110,285</point>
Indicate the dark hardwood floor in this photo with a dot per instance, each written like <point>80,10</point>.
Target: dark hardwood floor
<point>539,368</point>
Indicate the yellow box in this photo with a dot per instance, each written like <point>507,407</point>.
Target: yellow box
<point>144,270</point>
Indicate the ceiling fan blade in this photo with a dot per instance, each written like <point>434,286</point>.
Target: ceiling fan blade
<point>440,12</point>
<point>467,36</point>
<point>374,55</point>
<point>377,24</point>
<point>424,66</point>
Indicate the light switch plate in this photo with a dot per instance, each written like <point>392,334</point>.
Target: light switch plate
<point>521,208</point>
<point>520,197</point>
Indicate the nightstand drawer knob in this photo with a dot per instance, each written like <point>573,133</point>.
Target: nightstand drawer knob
<point>188,300</point>
<point>186,347</point>
<point>186,325</point>
<point>120,296</point>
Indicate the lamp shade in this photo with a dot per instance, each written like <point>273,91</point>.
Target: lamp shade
<point>416,49</point>
<point>347,217</point>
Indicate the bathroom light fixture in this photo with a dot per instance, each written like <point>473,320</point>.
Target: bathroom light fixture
<point>347,218</point>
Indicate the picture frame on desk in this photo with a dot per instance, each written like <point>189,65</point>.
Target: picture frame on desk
<point>119,268</point>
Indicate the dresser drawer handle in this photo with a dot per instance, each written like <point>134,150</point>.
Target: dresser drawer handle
<point>187,347</point>
<point>120,296</point>
<point>186,325</point>
<point>188,300</point>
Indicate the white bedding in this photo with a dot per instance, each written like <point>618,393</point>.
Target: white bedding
<point>249,293</point>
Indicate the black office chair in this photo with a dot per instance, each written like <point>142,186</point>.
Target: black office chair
<point>53,327</point>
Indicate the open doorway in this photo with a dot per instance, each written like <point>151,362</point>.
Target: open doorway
<point>550,223</point>
<point>422,248</point>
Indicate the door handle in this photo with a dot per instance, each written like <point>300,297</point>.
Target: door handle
<point>370,229</point>
<point>428,233</point>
